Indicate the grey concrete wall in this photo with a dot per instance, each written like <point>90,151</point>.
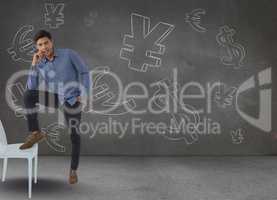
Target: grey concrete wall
<point>208,65</point>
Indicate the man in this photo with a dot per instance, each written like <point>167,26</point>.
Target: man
<point>63,75</point>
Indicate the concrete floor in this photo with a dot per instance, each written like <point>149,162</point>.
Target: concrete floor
<point>147,178</point>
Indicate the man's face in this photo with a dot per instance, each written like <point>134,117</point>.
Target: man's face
<point>45,46</point>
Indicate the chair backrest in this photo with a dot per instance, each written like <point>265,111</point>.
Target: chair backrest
<point>3,137</point>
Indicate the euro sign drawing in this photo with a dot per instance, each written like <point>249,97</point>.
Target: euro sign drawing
<point>22,47</point>
<point>235,51</point>
<point>54,16</point>
<point>143,48</point>
<point>103,95</point>
<point>194,19</point>
<point>53,136</point>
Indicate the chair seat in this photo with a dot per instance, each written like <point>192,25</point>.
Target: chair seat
<point>13,151</point>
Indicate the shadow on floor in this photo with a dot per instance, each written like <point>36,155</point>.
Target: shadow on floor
<point>44,185</point>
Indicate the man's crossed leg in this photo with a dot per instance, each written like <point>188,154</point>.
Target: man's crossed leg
<point>72,113</point>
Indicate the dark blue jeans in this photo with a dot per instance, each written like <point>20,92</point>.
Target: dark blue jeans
<point>32,97</point>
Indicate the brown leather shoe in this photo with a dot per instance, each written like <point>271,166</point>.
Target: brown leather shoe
<point>73,178</point>
<point>33,138</point>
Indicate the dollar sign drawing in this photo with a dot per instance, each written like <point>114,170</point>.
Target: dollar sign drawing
<point>235,51</point>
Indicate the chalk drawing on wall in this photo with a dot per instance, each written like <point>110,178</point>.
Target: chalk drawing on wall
<point>53,132</point>
<point>22,47</point>
<point>91,18</point>
<point>237,136</point>
<point>235,51</point>
<point>177,120</point>
<point>104,96</point>
<point>53,15</point>
<point>225,96</point>
<point>17,90</point>
<point>143,47</point>
<point>194,19</point>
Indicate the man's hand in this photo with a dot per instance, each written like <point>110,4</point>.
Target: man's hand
<point>37,57</point>
<point>79,99</point>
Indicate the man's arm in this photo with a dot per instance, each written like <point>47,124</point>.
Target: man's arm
<point>32,81</point>
<point>82,70</point>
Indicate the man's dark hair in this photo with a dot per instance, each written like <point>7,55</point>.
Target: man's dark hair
<point>41,34</point>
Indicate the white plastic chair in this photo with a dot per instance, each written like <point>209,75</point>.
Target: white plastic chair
<point>13,151</point>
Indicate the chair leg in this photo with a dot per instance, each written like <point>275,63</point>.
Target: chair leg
<point>30,166</point>
<point>36,169</point>
<point>5,163</point>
